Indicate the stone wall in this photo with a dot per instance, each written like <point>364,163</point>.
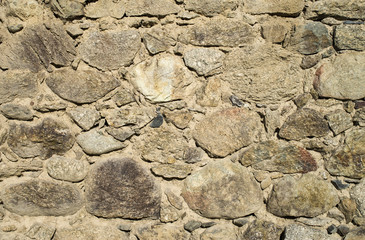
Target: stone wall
<point>186,119</point>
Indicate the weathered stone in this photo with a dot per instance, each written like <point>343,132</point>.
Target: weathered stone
<point>348,160</point>
<point>81,86</point>
<point>16,111</point>
<point>297,231</point>
<point>105,8</point>
<point>337,8</point>
<point>14,28</point>
<point>162,232</point>
<point>345,84</point>
<point>41,231</point>
<point>304,123</point>
<point>356,234</point>
<point>358,194</point>
<point>222,189</point>
<point>309,38</point>
<point>210,8</point>
<point>192,225</point>
<point>121,188</point>
<point>88,232</point>
<point>171,171</point>
<point>310,61</point>
<point>162,78</point>
<point>350,37</point>
<point>308,196</point>
<point>336,214</point>
<point>173,199</point>
<point>150,7</point>
<point>74,30</point>
<point>42,198</point>
<point>13,236</point>
<point>339,121</point>
<point>315,222</point>
<point>8,169</point>
<point>67,9</point>
<point>120,134</point>
<point>44,139</point>
<point>343,230</point>
<point>339,185</point>
<point>260,229</point>
<point>180,119</point>
<point>168,213</point>
<point>48,103</point>
<point>221,231</point>
<point>210,94</point>
<point>37,48</point>
<point>218,32</point>
<point>275,30</point>
<point>228,130</point>
<point>348,207</point>
<point>359,117</point>
<point>205,61</point>
<point>86,118</point>
<point>123,97</point>
<point>283,7</point>
<point>119,51</point>
<point>67,169</point>
<point>158,40</point>
<point>95,142</point>
<point>281,80</point>
<point>278,156</point>
<point>23,9</point>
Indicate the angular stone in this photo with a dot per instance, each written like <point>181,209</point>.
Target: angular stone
<point>88,232</point>
<point>158,40</point>
<point>227,130</point>
<point>24,9</point>
<point>168,213</point>
<point>162,232</point>
<point>180,119</point>
<point>310,61</point>
<point>86,118</point>
<point>282,7</point>
<point>278,156</point>
<point>348,207</point>
<point>41,231</point>
<point>122,188</point>
<point>105,8</point>
<point>16,111</point>
<point>192,225</point>
<point>120,134</point>
<point>74,30</point>
<point>67,9</point>
<point>110,50</point>
<point>95,142</point>
<point>222,189</point>
<point>221,231</point>
<point>218,32</point>
<point>205,61</point>
<point>210,94</point>
<point>297,231</point>
<point>356,234</point>
<point>339,121</point>
<point>358,194</point>
<point>359,117</point>
<point>266,230</point>
<point>275,30</point>
<point>211,8</point>
<point>44,139</point>
<point>337,8</point>
<point>13,236</point>
<point>162,78</point>
<point>67,169</point>
<point>172,171</point>
<point>49,103</point>
<point>123,97</point>
<point>173,199</point>
<point>158,8</point>
<point>350,37</point>
<point>308,196</point>
<point>8,169</point>
<point>37,48</point>
<point>81,86</point>
<point>42,198</point>
<point>304,123</point>
<point>315,222</point>
<point>278,83</point>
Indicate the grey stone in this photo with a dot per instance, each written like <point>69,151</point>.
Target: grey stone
<point>343,230</point>
<point>67,9</point>
<point>172,171</point>
<point>150,7</point>
<point>239,222</point>
<point>42,198</point>
<point>86,118</point>
<point>74,30</point>
<point>173,199</point>
<point>157,121</point>
<point>220,231</point>
<point>211,8</point>
<point>162,232</point>
<point>16,111</point>
<point>356,234</point>
<point>235,101</point>
<point>180,119</point>
<point>125,227</point>
<point>8,169</point>
<point>358,194</point>
<point>339,121</point>
<point>274,30</point>
<point>192,225</point>
<point>122,188</point>
<point>210,94</point>
<point>168,213</point>
<point>158,40</point>
<point>337,8</point>
<point>121,134</point>
<point>88,232</point>
<point>332,229</point>
<point>350,37</point>
<point>15,28</point>
<point>41,231</point>
<point>123,97</point>
<point>23,9</point>
<point>260,229</point>
<point>282,7</point>
<point>296,231</point>
<point>315,222</point>
<point>339,185</point>
<point>310,61</point>
<point>207,193</point>
<point>49,103</point>
<point>204,61</point>
<point>208,224</point>
<point>359,117</point>
<point>67,169</point>
<point>105,8</point>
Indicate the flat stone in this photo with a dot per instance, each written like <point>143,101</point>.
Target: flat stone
<point>339,185</point>
<point>297,231</point>
<point>172,171</point>
<point>348,207</point>
<point>67,169</point>
<point>343,230</point>
<point>345,84</point>
<point>278,156</point>
<point>44,139</point>
<point>125,227</point>
<point>265,229</point>
<point>9,169</point>
<point>241,197</point>
<point>24,9</point>
<point>339,121</point>
<point>121,188</point>
<point>332,229</point>
<point>228,130</point>
<point>275,30</point>
<point>211,8</point>
<point>119,51</point>
<point>173,199</point>
<point>205,61</point>
<point>279,82</point>
<point>121,134</point>
<point>49,103</point>
<point>95,142</point>
<point>282,7</point>
<point>158,40</point>
<point>310,61</point>
<point>162,232</point>
<point>81,86</point>
<point>74,30</point>
<point>158,8</point>
<point>13,236</point>
<point>304,123</point>
<point>308,196</point>
<point>16,111</point>
<point>359,117</point>
<point>358,194</point>
<point>350,37</point>
<point>168,213</point>
<point>337,8</point>
<point>89,231</point>
<point>105,8</point>
<point>192,225</point>
<point>123,97</point>
<point>42,198</point>
<point>220,231</point>
<point>315,222</point>
<point>15,28</point>
<point>180,119</point>
<point>210,94</point>
<point>356,234</point>
<point>41,231</point>
<point>67,9</point>
<point>86,118</point>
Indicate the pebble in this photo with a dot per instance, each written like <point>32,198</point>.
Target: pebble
<point>339,185</point>
<point>343,230</point>
<point>332,229</point>
<point>125,227</point>
<point>235,101</point>
<point>239,222</point>
<point>208,224</point>
<point>192,225</point>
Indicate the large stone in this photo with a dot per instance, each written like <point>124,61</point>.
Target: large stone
<point>218,32</point>
<point>162,232</point>
<point>86,118</point>
<point>16,111</point>
<point>297,231</point>
<point>67,169</point>
<point>211,8</point>
<point>171,171</point>
<point>204,61</point>
<point>37,47</point>
<point>81,86</point>
<point>349,83</point>
<point>221,231</point>
<point>42,198</point>
<point>88,232</point>
<point>105,8</point>
<point>304,123</point>
<point>264,229</point>
<point>358,194</point>
<point>23,9</point>
<point>350,37</point>
<point>278,156</point>
<point>227,130</point>
<point>158,40</point>
<point>222,189</point>
<point>150,7</point>
<point>337,8</point>
<point>356,234</point>
<point>308,196</point>
<point>283,7</point>
<point>44,139</point>
<point>162,78</point>
<point>67,9</point>
<point>110,50</point>
<point>349,159</point>
<point>281,80</point>
<point>122,188</point>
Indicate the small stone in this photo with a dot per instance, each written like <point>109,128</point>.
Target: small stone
<point>350,37</point>
<point>239,222</point>
<point>86,118</point>
<point>9,228</point>
<point>172,171</point>
<point>41,231</point>
<point>220,231</point>
<point>205,61</point>
<point>15,28</point>
<point>331,21</point>
<point>105,8</point>
<point>348,207</point>
<point>296,231</point>
<point>89,231</point>
<point>274,30</point>
<point>67,9</point>
<point>157,121</point>
<point>208,224</point>
<point>67,169</point>
<point>359,117</point>
<point>339,121</point>
<point>125,227</point>
<point>266,183</point>
<point>211,8</point>
<point>123,97</point>
<point>358,195</point>
<point>173,199</point>
<point>336,214</point>
<point>280,7</point>
<point>310,61</point>
<point>74,30</point>
<point>339,185</point>
<point>332,229</point>
<point>174,105</point>
<point>180,119</point>
<point>157,40</point>
<point>302,100</point>
<point>168,213</point>
<point>24,9</point>
<point>356,234</point>
<point>235,101</point>
<point>160,232</point>
<point>360,221</point>
<point>16,111</point>
<point>343,230</point>
<point>265,229</point>
<point>121,134</point>
<point>315,222</point>
<point>210,94</point>
<point>150,8</point>
<point>192,155</point>
<point>192,225</point>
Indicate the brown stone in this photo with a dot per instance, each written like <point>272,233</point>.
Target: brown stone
<point>89,231</point>
<point>162,232</point>
<point>266,230</point>
<point>172,171</point>
<point>150,7</point>
<point>211,8</point>
<point>291,7</point>
<point>337,8</point>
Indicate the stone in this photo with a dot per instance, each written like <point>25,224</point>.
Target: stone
<point>86,118</point>
<point>180,119</point>
<point>210,94</point>
<point>37,48</point>
<point>67,169</point>
<point>13,236</point>
<point>121,188</point>
<point>208,224</point>
<point>15,28</point>
<point>310,61</point>
<point>304,123</point>
<point>345,84</point>
<point>336,214</point>
<point>81,86</point>
<point>348,207</point>
<point>123,97</point>
<point>309,38</point>
<point>265,229</point>
<point>192,225</point>
<point>67,9</point>
<point>282,7</point>
<point>350,37</point>
<point>173,199</point>
<point>343,230</point>
<point>348,160</point>
<point>339,121</point>
<point>339,185</point>
<point>205,61</point>
<point>105,8</point>
<point>297,231</point>
<point>74,30</point>
<point>228,130</point>
<point>308,196</point>
<point>42,198</point>
<point>359,117</point>
<point>168,213</point>
<point>359,221</point>
<point>40,231</point>
<point>279,82</point>
<point>8,169</point>
<point>192,155</point>
<point>357,193</point>
<point>356,234</point>
<point>278,156</point>
<point>89,231</point>
<point>49,103</point>
<point>211,8</point>
<point>44,139</point>
<point>95,142</point>
<point>24,9</point>
<point>218,32</point>
<point>315,222</point>
<point>172,171</point>
<point>275,30</point>
<point>220,231</point>
<point>157,121</point>
<point>239,222</point>
<point>125,227</point>
<point>158,40</point>
<point>121,134</point>
<point>119,52</point>
<point>162,232</point>
<point>157,8</point>
<point>16,111</point>
<point>163,78</point>
<point>241,197</point>
<point>332,229</point>
<point>337,8</point>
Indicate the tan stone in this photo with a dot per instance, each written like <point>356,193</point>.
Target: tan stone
<point>287,7</point>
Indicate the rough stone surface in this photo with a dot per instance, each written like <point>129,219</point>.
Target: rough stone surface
<point>86,118</point>
<point>359,117</point>
<point>308,196</point>
<point>204,61</point>
<point>105,8</point>
<point>162,232</point>
<point>210,94</point>
<point>16,111</point>
<point>337,9</point>
<point>211,8</point>
<point>41,231</point>
<point>90,231</point>
<point>42,198</point>
<point>122,188</point>
<point>23,9</point>
<point>275,30</point>
<point>239,194</point>
<point>150,7</point>
<point>339,121</point>
<point>350,37</point>
<point>221,231</point>
<point>158,40</point>
<point>67,169</point>
<point>121,134</point>
<point>284,7</point>
<point>356,234</point>
<point>297,231</point>
<point>171,171</point>
<point>260,229</point>
<point>67,9</point>
<point>169,213</point>
<point>180,119</point>
<point>358,194</point>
